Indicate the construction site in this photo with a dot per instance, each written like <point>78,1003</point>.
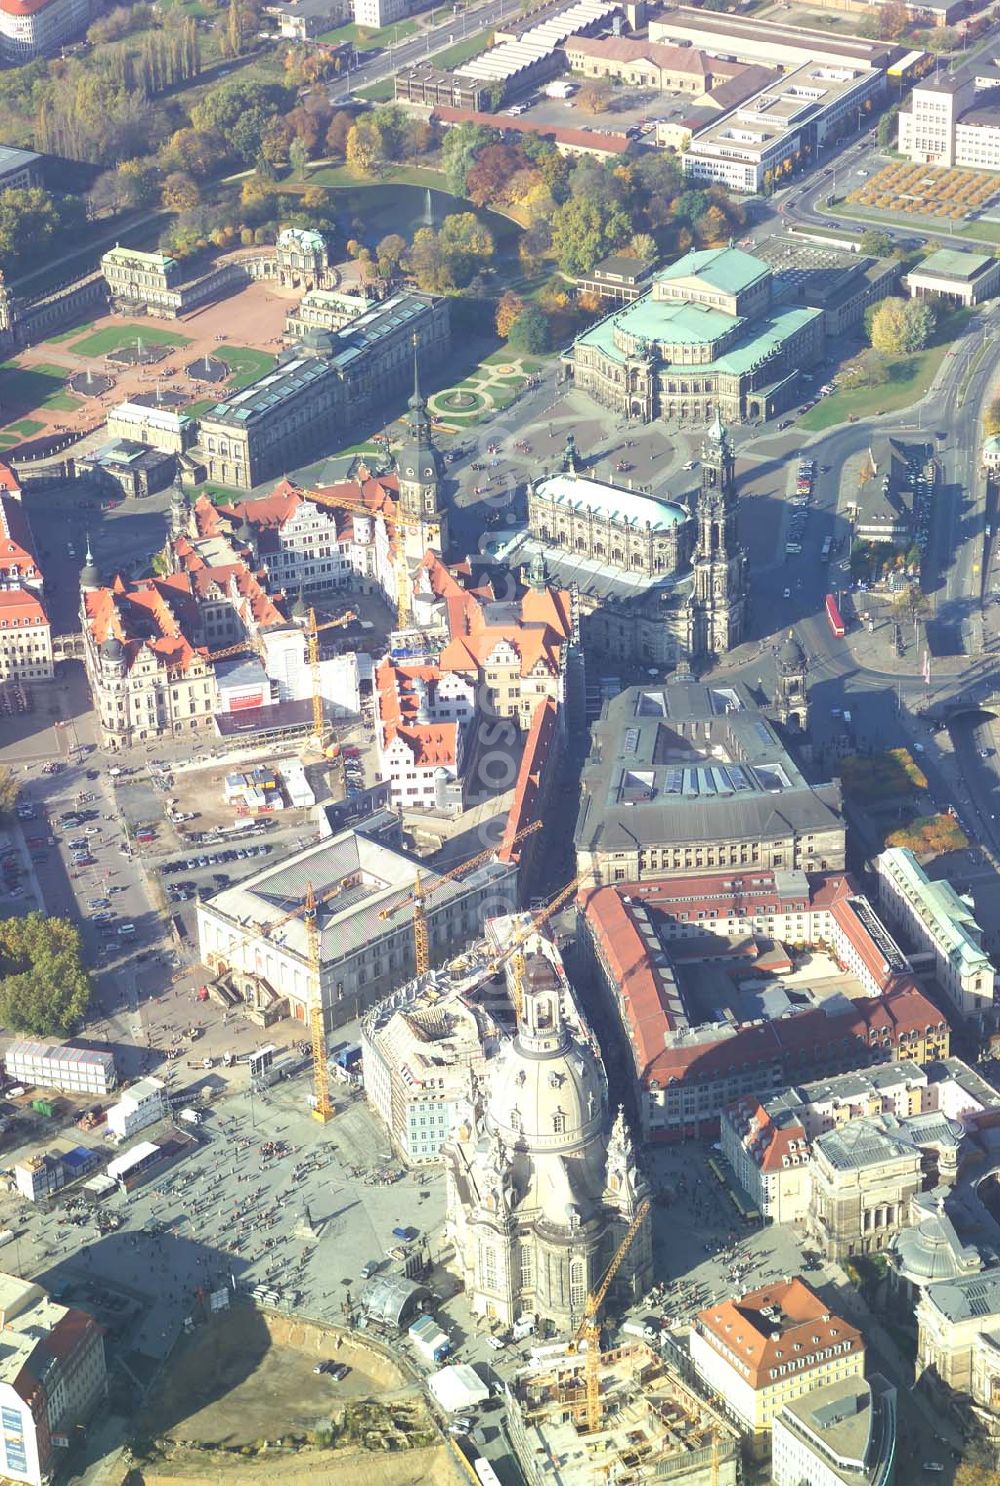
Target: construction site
<point>652,1427</point>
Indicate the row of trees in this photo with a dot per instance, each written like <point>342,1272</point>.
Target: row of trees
<point>32,221</point>
<point>44,988</point>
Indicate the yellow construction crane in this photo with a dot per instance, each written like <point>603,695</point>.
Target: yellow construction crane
<point>397,517</point>
<point>419,895</point>
<point>322,1108</point>
<point>308,911</point>
<point>515,948</point>
<point>312,639</point>
<point>589,1329</point>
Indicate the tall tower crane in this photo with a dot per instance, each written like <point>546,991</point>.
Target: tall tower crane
<point>312,640</point>
<point>419,896</point>
<point>589,1329</point>
<point>313,632</point>
<point>515,949</point>
<point>308,911</point>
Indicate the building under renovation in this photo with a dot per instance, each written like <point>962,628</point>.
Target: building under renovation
<point>653,1427</point>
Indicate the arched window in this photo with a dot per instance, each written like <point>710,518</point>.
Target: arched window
<point>559,1122</point>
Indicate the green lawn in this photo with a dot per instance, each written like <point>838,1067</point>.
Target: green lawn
<point>195,409</point>
<point>337,176</point>
<point>366,40</point>
<point>909,379</point>
<point>245,364</point>
<point>462,51</point>
<point>23,389</point>
<point>382,92</point>
<point>25,428</point>
<point>114,337</point>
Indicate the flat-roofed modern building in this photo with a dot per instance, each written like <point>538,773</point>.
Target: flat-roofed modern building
<point>942,925</point>
<point>689,778</point>
<point>74,1070</point>
<point>954,276</point>
<point>772,43</point>
<point>787,122</point>
<point>842,1434</point>
<point>709,337</point>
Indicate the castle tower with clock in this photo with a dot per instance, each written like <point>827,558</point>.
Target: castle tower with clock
<point>419,468</point>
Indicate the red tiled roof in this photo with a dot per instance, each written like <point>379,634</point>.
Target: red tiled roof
<point>902,1010</point>
<point>431,744</point>
<point>868,951</point>
<point>770,1145</point>
<point>661,54</point>
<point>9,480</point>
<point>575,139</point>
<point>21,606</point>
<point>24,7</point>
<point>539,751</point>
<point>17,545</point>
<point>798,1325</point>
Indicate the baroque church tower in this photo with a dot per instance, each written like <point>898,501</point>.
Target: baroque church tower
<point>718,609</point>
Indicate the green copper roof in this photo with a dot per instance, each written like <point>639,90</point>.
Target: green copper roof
<point>761,339</point>
<point>728,269</point>
<point>952,264</point>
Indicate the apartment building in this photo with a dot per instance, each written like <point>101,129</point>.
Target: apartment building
<point>52,1377</point>
<point>787,122</point>
<point>421,722</point>
<point>770,1347</point>
<point>304,545</point>
<point>422,1051</point>
<point>36,28</point>
<point>25,637</point>
<point>941,924</point>
<point>688,1066</point>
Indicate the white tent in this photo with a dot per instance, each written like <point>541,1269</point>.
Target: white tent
<point>457,1387</point>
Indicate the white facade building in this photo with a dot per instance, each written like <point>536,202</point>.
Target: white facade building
<point>52,1376</point>
<point>843,1434</point>
<point>952,121</point>
<point>74,1070</point>
<point>424,1047</point>
<point>793,116</point>
<point>33,28</point>
<point>941,923</point>
<point>141,1105</point>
